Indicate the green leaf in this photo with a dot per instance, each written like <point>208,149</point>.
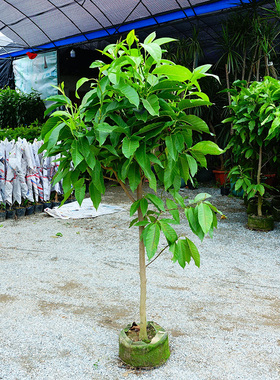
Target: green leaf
<point>130,37</point>
<point>169,232</point>
<point>174,72</point>
<point>151,104</point>
<point>144,206</point>
<point>173,209</point>
<point>183,253</point>
<point>156,201</point>
<point>80,190</point>
<point>194,252</point>
<point>79,84</point>
<point>154,50</point>
<point>194,122</point>
<point>151,236</point>
<point>129,146</point>
<point>201,197</point>
<point>54,135</point>
<point>133,176</point>
<point>95,195</point>
<point>192,164</point>
<point>205,217</point>
<point>77,157</point>
<point>208,147</point>
<point>171,149</point>
<point>129,92</point>
<point>134,207</point>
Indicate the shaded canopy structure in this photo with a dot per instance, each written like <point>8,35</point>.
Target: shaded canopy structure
<point>50,24</point>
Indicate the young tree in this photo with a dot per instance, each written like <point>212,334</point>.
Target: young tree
<point>132,126</point>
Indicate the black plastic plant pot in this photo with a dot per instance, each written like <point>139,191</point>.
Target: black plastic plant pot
<point>38,207</point>
<point>260,223</point>
<point>10,214</point>
<point>2,215</point>
<point>20,211</point>
<point>55,204</point>
<point>29,210</point>
<point>47,205</point>
<point>140,354</point>
<point>225,190</point>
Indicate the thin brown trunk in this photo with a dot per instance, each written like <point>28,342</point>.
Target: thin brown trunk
<point>252,64</point>
<point>259,181</point>
<point>244,64</point>
<point>266,65</point>
<point>258,70</point>
<point>143,279</point>
<point>273,71</point>
<point>229,98</point>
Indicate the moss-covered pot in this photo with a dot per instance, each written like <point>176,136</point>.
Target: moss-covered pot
<point>141,354</point>
<point>260,223</point>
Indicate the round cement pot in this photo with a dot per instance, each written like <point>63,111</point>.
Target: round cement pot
<point>144,355</point>
<point>260,223</point>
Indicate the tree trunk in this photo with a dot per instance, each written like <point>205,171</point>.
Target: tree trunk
<point>260,198</point>
<point>266,65</point>
<point>252,65</point>
<point>229,98</point>
<point>143,279</point>
<point>244,64</point>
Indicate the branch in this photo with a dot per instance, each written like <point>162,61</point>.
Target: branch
<point>120,182</point>
<point>157,256</point>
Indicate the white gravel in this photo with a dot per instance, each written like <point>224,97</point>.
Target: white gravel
<point>63,300</point>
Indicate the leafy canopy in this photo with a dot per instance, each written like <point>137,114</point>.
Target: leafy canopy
<point>131,125</point>
<point>256,124</point>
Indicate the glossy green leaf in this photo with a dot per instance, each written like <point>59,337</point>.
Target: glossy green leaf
<point>156,201</point>
<point>205,217</point>
<point>174,72</point>
<point>129,146</point>
<point>151,235</point>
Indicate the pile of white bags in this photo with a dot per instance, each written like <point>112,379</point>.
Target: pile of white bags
<point>25,173</point>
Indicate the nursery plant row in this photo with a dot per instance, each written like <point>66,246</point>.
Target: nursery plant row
<point>25,174</point>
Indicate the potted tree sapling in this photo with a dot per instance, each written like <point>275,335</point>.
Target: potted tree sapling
<point>255,143</point>
<point>131,127</point>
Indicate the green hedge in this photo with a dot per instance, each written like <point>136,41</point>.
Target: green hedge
<point>30,132</point>
<point>18,109</point>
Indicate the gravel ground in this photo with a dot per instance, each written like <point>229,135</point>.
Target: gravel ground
<point>63,300</point>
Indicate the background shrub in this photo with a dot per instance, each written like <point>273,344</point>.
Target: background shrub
<point>18,109</point>
<point>29,132</point>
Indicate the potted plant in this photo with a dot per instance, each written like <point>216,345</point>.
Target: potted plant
<point>131,127</point>
<point>255,143</point>
<point>2,211</point>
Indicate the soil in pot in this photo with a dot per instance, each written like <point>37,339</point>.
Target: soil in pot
<point>260,223</point>
<point>137,353</point>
